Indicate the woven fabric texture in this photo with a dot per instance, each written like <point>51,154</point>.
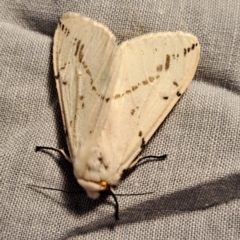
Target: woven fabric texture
<point>196,190</point>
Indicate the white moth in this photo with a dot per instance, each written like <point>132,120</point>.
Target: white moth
<point>114,97</point>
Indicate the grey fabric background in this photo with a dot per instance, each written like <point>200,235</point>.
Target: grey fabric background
<point>196,189</point>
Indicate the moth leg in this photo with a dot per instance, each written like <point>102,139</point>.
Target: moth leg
<point>55,149</point>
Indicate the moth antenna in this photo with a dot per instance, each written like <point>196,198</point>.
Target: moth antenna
<point>136,161</point>
<point>111,191</point>
<point>133,194</point>
<point>39,148</point>
<point>152,156</point>
<point>54,189</point>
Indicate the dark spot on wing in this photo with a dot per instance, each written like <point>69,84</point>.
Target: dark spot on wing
<point>134,88</point>
<point>128,91</point>
<point>80,56</point>
<point>188,49</point>
<point>91,81</point>
<point>132,111</point>
<point>82,105</point>
<point>159,68</point>
<point>60,23</point>
<point>88,72</point>
<point>179,94</point>
<point>151,79</point>
<point>100,159</point>
<point>165,98</point>
<point>196,44</point>
<point>157,77</point>
<point>68,32</point>
<point>62,68</point>
<point>77,47</point>
<point>70,123</point>
<point>143,143</point>
<point>81,98</point>
<point>175,83</point>
<point>57,77</point>
<point>177,55</point>
<point>93,88</point>
<point>90,132</point>
<point>117,96</point>
<point>167,63</point>
<point>185,51</point>
<point>145,82</point>
<point>64,83</point>
<point>84,64</point>
<point>140,134</point>
<point>107,99</point>
<point>63,27</point>
<point>193,46</point>
<point>102,97</point>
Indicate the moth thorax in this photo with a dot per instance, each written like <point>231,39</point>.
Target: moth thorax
<point>94,165</point>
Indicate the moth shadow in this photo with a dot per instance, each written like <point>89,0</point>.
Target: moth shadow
<point>208,76</point>
<point>198,198</point>
<point>75,198</point>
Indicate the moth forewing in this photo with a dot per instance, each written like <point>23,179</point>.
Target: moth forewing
<point>113,98</point>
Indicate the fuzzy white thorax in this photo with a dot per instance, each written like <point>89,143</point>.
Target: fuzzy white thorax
<point>92,167</point>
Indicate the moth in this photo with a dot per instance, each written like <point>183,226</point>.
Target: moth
<point>114,97</point>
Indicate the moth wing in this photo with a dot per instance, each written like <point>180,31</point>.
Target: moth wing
<point>154,71</point>
<point>82,52</point>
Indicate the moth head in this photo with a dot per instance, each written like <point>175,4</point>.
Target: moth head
<point>95,169</point>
